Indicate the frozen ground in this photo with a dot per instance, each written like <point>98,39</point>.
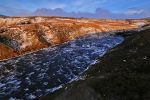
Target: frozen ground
<point>36,74</point>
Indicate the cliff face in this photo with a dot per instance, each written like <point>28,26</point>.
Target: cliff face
<point>23,35</point>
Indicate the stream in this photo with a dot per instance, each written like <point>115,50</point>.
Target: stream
<point>36,74</point>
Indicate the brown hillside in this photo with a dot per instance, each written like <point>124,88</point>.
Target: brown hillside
<point>28,34</point>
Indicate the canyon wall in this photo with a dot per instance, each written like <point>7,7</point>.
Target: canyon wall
<point>20,35</point>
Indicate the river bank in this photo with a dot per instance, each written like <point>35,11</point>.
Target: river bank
<point>122,74</point>
<point>23,35</point>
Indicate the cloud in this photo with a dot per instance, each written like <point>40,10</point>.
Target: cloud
<point>98,13</point>
<point>49,12</point>
<point>54,6</point>
<point>137,12</point>
<point>133,11</point>
<point>85,5</point>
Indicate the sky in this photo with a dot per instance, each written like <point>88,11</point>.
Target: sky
<point>86,8</point>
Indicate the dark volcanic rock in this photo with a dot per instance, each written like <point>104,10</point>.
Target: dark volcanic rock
<point>122,74</point>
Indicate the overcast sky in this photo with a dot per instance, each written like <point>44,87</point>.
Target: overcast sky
<point>25,7</point>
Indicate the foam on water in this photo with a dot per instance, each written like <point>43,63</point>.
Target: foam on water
<point>36,74</point>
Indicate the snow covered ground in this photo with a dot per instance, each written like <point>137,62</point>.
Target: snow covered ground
<point>36,74</point>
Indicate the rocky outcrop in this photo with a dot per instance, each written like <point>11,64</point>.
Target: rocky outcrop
<point>24,35</point>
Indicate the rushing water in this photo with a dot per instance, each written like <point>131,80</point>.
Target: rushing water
<point>36,74</point>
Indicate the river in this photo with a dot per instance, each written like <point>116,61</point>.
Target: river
<point>37,74</point>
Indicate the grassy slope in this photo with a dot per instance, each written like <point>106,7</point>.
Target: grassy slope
<point>122,74</point>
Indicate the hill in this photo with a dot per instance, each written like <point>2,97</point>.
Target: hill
<point>27,34</point>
